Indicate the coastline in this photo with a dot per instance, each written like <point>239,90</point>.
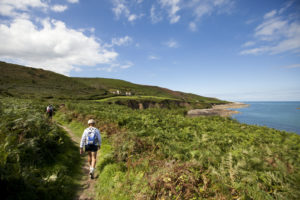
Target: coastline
<point>218,110</point>
<point>231,105</point>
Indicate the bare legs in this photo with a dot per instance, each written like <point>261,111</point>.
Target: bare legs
<point>92,161</point>
<point>92,158</point>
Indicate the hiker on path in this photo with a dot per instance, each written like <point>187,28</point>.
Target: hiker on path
<point>91,140</point>
<point>50,111</point>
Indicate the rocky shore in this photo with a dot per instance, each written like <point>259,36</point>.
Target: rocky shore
<point>218,110</point>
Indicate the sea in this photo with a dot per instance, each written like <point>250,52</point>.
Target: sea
<point>279,115</point>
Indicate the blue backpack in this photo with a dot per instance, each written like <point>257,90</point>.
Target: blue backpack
<point>92,137</point>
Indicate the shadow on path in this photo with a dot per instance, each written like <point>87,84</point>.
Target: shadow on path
<point>86,189</point>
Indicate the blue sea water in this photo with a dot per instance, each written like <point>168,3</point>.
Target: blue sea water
<point>279,115</point>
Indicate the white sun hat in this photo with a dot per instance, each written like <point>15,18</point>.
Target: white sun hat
<point>91,121</point>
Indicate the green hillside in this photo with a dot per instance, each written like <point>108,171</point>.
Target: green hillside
<point>162,154</point>
<point>26,82</point>
<point>145,90</point>
<point>149,153</point>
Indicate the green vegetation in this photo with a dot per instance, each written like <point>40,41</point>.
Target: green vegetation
<point>144,90</point>
<point>160,153</point>
<point>149,98</point>
<point>150,153</point>
<point>25,82</point>
<point>144,102</point>
<point>36,157</point>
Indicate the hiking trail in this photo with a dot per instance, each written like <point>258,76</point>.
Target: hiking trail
<point>86,189</point>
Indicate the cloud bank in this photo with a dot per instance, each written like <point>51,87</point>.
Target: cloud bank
<point>54,46</point>
<point>276,34</point>
<point>13,8</point>
<point>173,10</point>
<point>50,44</point>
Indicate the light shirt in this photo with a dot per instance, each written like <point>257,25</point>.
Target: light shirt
<point>84,138</point>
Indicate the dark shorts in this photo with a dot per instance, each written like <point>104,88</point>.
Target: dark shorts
<point>92,148</point>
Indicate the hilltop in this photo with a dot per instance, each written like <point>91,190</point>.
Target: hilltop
<point>26,82</point>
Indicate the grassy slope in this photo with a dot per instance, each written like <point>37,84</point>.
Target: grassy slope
<point>161,154</point>
<point>29,82</point>
<point>144,90</point>
<point>36,156</point>
<point>150,98</point>
<point>26,82</point>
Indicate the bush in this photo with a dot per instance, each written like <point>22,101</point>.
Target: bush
<point>216,157</point>
<point>33,162</point>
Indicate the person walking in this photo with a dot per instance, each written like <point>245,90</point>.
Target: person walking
<point>50,111</point>
<point>91,140</point>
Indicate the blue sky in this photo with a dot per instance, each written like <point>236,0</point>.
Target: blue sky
<point>230,49</point>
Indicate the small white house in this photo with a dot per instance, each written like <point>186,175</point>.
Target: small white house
<point>116,92</point>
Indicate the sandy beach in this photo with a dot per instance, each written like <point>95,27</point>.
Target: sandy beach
<point>221,110</point>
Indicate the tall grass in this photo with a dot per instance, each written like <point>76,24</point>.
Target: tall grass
<point>36,156</point>
<point>160,153</point>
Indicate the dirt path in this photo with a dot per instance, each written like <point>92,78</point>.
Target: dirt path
<point>87,186</point>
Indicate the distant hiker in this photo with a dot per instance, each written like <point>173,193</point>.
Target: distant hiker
<point>91,140</point>
<point>50,111</point>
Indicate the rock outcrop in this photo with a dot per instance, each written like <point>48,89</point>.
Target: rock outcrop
<point>217,110</point>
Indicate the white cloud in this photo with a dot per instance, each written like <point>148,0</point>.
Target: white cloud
<point>132,17</point>
<point>121,41</point>
<point>292,66</point>
<point>207,7</point>
<point>202,9</point>
<point>59,8</point>
<point>270,14</point>
<point>113,66</point>
<point>171,43</point>
<point>197,9</point>
<point>276,34</point>
<point>88,30</point>
<point>73,1</point>
<point>127,65</point>
<point>155,17</point>
<point>152,57</point>
<point>12,8</point>
<point>120,8</point>
<point>53,46</point>
<point>255,51</point>
<point>271,28</point>
<point>193,26</point>
<point>286,6</point>
<point>107,69</point>
<point>173,7</point>
<point>248,44</point>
